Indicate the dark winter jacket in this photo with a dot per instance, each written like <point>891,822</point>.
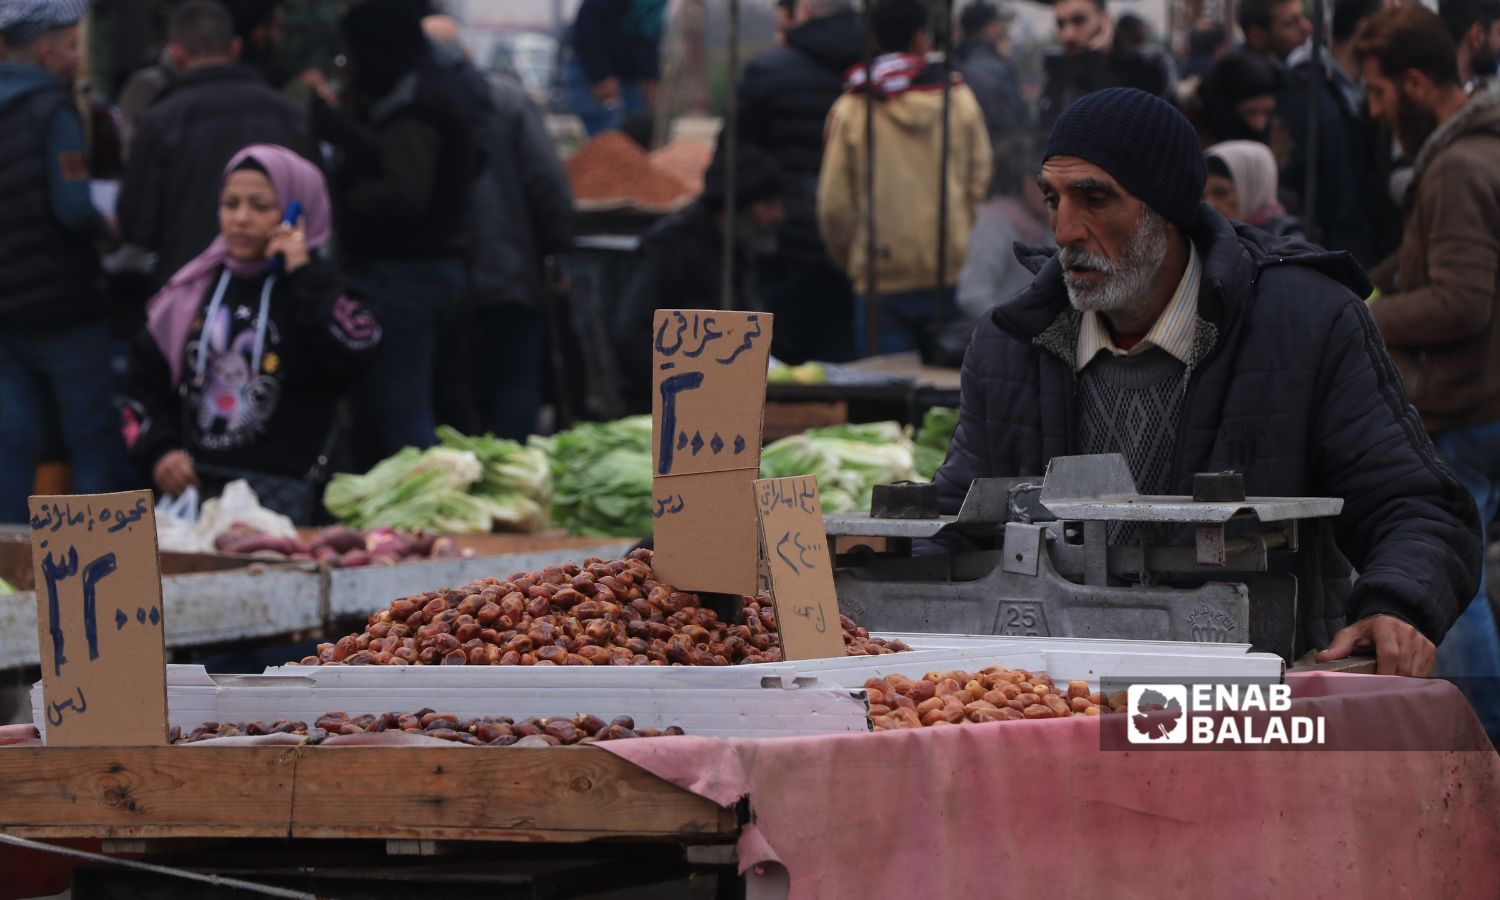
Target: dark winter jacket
<point>997,87</point>
<point>169,199</point>
<point>49,268</point>
<point>784,98</point>
<point>404,169</point>
<point>1354,211</point>
<point>273,418</point>
<point>619,39</point>
<point>1296,392</point>
<point>523,206</point>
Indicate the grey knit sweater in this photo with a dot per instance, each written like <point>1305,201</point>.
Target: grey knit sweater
<point>1132,405</point>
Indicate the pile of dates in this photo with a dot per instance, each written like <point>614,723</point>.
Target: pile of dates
<point>995,694</point>
<point>595,614</point>
<point>486,731</point>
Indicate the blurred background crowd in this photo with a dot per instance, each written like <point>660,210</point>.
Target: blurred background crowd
<point>279,238</point>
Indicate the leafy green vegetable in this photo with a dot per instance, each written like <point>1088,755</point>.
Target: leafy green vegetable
<point>933,438</point>
<point>6,587</point>
<point>601,475</point>
<point>848,461</point>
<point>465,484</point>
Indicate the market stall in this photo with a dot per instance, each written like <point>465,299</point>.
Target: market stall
<point>715,716</point>
<point>769,764</point>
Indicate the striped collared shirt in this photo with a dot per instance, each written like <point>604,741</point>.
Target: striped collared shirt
<point>1173,331</point>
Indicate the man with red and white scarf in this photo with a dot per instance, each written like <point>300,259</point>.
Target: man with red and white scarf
<point>908,140</point>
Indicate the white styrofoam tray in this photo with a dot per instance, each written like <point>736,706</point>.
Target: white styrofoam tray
<point>712,702</point>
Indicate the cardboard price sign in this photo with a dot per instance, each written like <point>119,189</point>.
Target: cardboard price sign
<point>99,619</point>
<point>790,513</point>
<point>707,401</point>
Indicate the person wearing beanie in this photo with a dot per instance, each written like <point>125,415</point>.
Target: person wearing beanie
<point>54,333</point>
<point>1161,331</point>
<point>908,113</point>
<point>681,259</point>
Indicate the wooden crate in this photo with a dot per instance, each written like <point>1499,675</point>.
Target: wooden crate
<point>784,418</point>
<point>554,795</point>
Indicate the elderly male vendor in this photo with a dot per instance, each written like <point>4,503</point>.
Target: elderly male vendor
<point>1163,332</point>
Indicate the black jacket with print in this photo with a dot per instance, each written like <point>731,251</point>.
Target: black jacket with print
<point>273,418</point>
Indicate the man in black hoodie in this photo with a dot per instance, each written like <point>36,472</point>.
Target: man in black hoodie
<point>784,98</point>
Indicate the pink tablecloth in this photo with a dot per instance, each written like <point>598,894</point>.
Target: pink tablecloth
<point>1037,809</point>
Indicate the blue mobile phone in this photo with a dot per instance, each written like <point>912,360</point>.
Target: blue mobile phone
<point>293,213</point>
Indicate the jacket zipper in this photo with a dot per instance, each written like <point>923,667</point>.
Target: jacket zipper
<point>1192,385</point>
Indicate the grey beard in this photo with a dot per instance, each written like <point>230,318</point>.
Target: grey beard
<point>1126,284</point>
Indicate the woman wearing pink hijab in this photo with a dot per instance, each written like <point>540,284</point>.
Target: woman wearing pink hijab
<point>249,347</point>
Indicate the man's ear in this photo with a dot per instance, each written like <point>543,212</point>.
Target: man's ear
<point>1416,84</point>
<point>178,54</point>
<point>236,46</point>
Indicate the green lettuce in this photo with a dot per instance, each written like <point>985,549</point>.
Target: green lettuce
<point>601,477</point>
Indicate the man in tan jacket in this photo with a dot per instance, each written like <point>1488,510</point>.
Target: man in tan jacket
<point>1440,311</point>
<point>908,153</point>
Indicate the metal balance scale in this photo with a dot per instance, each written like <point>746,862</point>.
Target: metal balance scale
<point>1056,572</point>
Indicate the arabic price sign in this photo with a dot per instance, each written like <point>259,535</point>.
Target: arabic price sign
<point>708,396</point>
<point>801,568</point>
<point>99,619</point>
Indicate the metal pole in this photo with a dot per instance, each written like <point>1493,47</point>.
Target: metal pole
<point>1310,150</point>
<point>946,40</point>
<point>731,151</point>
<point>872,293</point>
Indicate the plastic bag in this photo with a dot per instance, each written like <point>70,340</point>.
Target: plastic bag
<point>177,522</point>
<point>183,526</point>
<point>238,505</point>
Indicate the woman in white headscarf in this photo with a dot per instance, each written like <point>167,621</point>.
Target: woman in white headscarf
<point>1242,185</point>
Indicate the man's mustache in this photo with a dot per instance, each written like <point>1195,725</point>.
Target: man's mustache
<point>1074,258</point>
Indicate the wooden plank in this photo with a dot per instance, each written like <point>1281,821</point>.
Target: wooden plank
<point>565,794</point>
<point>145,792</point>
<point>562,795</point>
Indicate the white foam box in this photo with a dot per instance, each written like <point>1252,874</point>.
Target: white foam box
<point>192,698</point>
<point>709,701</point>
<point>1063,659</point>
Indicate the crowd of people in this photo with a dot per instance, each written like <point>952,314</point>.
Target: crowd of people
<point>299,278</point>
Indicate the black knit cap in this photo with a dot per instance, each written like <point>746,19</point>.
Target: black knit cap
<point>1143,142</point>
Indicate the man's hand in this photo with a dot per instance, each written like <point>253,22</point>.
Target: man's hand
<point>174,473</point>
<point>1400,649</point>
<point>607,91</point>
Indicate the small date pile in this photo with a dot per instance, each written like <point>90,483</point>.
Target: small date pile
<point>598,614</point>
<point>487,731</point>
<point>342,548</point>
<point>995,694</point>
